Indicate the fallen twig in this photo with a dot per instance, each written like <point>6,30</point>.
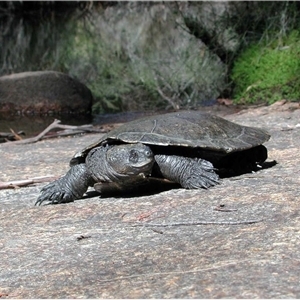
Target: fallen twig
<point>222,207</point>
<point>81,237</point>
<point>25,182</point>
<point>198,223</point>
<point>10,136</point>
<point>16,135</point>
<point>56,124</point>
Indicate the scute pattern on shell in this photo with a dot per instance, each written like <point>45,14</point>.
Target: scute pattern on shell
<point>186,129</point>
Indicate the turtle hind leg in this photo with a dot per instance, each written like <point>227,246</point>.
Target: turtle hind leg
<point>191,173</point>
<point>68,188</point>
<point>242,162</point>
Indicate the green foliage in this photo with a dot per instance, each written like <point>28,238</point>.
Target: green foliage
<point>145,56</point>
<point>109,75</point>
<point>138,65</point>
<point>267,72</point>
<point>86,57</point>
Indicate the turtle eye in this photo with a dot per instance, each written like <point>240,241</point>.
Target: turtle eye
<point>133,156</point>
<point>148,153</point>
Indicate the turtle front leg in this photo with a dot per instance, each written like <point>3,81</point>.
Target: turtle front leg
<point>191,173</point>
<point>67,188</point>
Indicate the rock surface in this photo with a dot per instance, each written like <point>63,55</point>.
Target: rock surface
<point>43,92</point>
<point>89,248</point>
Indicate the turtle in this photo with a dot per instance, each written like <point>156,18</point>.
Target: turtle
<point>193,149</point>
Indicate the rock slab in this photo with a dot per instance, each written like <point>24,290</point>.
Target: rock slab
<point>89,248</point>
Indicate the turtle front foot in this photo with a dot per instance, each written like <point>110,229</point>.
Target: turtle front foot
<point>68,188</point>
<point>201,175</point>
<point>54,193</point>
<point>191,173</point>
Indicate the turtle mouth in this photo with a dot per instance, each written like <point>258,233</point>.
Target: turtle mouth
<point>140,158</point>
<point>144,167</point>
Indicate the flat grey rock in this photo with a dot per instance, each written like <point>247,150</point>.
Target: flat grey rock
<point>90,248</point>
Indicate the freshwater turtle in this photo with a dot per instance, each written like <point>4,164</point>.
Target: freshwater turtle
<point>190,148</point>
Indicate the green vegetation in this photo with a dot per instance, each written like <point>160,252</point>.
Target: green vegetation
<point>141,64</point>
<point>267,72</point>
<point>159,55</point>
<point>104,69</point>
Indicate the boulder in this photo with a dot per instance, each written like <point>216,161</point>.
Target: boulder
<point>43,92</point>
<point>163,56</point>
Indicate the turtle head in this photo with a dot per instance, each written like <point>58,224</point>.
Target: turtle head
<point>130,159</point>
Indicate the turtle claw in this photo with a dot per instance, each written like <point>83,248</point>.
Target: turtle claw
<point>202,175</point>
<point>53,193</point>
<point>67,188</point>
<point>191,173</point>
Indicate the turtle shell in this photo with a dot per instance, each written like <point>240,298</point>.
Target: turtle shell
<point>186,129</point>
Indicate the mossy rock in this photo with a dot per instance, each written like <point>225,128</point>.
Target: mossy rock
<point>265,73</point>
